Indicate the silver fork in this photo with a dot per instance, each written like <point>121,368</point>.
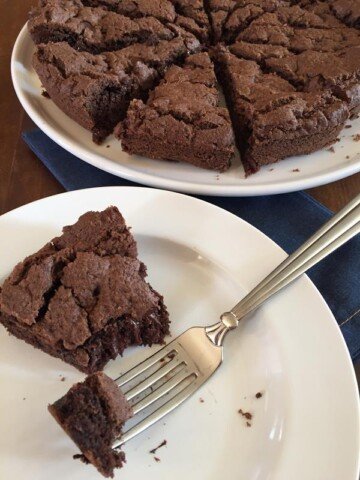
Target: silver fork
<point>177,370</point>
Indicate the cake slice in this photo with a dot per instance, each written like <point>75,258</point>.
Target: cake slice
<point>83,297</point>
<point>92,413</point>
<point>348,11</point>
<point>93,29</point>
<point>95,90</point>
<point>271,119</point>
<point>312,71</point>
<point>181,120</point>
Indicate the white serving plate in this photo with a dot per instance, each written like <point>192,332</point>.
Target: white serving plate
<point>203,259</point>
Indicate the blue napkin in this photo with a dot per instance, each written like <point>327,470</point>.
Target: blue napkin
<point>288,219</point>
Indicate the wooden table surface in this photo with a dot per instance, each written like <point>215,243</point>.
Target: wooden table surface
<point>23,178</point>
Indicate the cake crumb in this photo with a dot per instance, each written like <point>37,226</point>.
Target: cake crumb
<point>331,149</point>
<point>337,139</point>
<point>356,137</point>
<point>248,424</point>
<point>62,379</point>
<point>45,94</point>
<point>24,398</point>
<point>157,459</point>
<point>171,355</point>
<point>107,146</point>
<point>80,456</point>
<point>295,170</point>
<point>162,444</point>
<point>347,157</point>
<point>246,415</point>
<point>201,400</point>
<point>347,126</point>
<point>271,169</point>
<point>258,395</point>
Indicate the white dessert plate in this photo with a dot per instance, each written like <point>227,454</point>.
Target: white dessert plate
<point>305,425</point>
<point>295,173</point>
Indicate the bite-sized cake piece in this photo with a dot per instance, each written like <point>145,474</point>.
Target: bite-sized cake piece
<point>95,90</point>
<point>270,119</point>
<point>83,297</point>
<point>93,29</point>
<point>182,119</point>
<point>92,413</point>
<point>312,71</point>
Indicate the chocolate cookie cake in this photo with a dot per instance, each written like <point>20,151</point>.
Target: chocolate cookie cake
<point>83,297</point>
<point>312,45</point>
<point>182,119</point>
<point>92,413</point>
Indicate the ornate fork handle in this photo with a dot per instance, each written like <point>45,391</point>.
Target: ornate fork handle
<point>338,230</point>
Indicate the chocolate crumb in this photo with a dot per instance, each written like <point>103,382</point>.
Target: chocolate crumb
<point>347,126</point>
<point>81,457</point>
<point>157,459</point>
<point>24,398</point>
<point>248,424</point>
<point>45,94</point>
<point>63,379</point>
<point>337,139</point>
<point>107,146</point>
<point>258,395</point>
<point>162,360</point>
<point>331,149</point>
<point>271,169</point>
<point>246,415</point>
<point>171,355</point>
<point>347,157</point>
<point>295,170</point>
<point>162,444</point>
<point>201,400</point>
<point>356,137</point>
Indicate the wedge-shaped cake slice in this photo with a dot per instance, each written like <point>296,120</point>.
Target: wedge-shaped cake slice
<point>83,297</point>
<point>271,119</point>
<point>92,413</point>
<point>95,90</point>
<point>182,119</point>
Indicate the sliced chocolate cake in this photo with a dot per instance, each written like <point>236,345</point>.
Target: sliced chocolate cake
<point>182,119</point>
<point>92,413</point>
<point>83,297</point>
<point>271,119</point>
<point>95,90</point>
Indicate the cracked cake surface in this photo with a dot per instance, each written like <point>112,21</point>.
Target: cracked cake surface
<point>92,413</point>
<point>95,90</point>
<point>182,119</point>
<point>83,297</point>
<point>313,45</point>
<point>274,120</point>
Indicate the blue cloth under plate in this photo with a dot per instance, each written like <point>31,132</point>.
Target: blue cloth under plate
<point>288,219</point>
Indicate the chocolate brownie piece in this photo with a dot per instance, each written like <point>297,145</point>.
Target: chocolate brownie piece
<point>271,120</point>
<point>92,413</point>
<point>182,119</point>
<point>95,90</point>
<point>313,71</point>
<point>348,11</point>
<point>299,30</point>
<point>83,297</point>
<point>92,29</point>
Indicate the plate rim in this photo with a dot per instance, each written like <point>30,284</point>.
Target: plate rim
<point>314,291</point>
<point>144,178</point>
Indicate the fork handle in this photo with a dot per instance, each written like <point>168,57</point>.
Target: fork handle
<point>341,228</point>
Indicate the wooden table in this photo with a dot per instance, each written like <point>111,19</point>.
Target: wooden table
<point>23,178</point>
